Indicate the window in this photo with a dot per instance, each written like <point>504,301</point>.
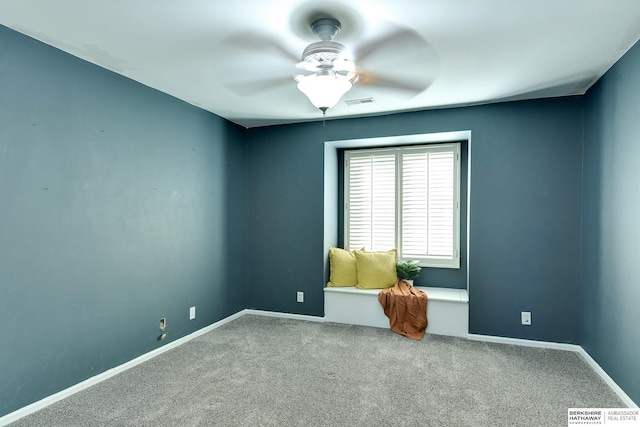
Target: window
<point>406,198</point>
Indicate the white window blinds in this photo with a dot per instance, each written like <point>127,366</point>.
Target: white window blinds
<point>407,198</point>
<point>372,201</point>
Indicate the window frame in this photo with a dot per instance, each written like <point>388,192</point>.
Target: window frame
<point>452,262</point>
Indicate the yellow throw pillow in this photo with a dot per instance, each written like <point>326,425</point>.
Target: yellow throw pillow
<point>342,268</point>
<point>376,269</point>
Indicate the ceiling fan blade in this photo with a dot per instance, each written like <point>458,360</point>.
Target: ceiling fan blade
<point>306,66</point>
<point>410,85</point>
<point>254,63</point>
<point>255,87</point>
<point>261,43</point>
<point>402,52</point>
<point>402,60</point>
<point>399,39</point>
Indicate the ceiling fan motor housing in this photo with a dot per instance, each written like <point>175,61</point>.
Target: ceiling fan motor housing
<point>325,53</point>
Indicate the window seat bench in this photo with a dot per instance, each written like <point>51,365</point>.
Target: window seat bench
<point>447,309</point>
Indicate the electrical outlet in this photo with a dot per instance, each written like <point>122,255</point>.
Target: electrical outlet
<point>526,318</point>
<point>163,323</point>
<point>192,313</point>
<point>300,297</point>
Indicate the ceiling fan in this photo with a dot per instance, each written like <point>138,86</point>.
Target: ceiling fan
<point>399,60</point>
<point>331,64</point>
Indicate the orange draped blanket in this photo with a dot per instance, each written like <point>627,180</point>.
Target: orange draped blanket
<point>406,308</point>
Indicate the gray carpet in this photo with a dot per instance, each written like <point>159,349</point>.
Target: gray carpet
<point>263,371</point>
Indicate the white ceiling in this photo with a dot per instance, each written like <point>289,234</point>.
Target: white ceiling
<point>215,54</point>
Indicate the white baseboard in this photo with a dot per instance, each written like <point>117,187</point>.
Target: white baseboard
<point>607,379</point>
<point>524,343</point>
<point>561,346</point>
<point>49,400</point>
<point>284,315</point>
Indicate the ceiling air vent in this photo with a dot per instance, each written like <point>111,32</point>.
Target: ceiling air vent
<point>351,102</point>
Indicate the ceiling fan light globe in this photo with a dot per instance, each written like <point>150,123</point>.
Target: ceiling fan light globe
<point>324,90</point>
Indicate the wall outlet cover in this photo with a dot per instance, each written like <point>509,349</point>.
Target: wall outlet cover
<point>192,313</point>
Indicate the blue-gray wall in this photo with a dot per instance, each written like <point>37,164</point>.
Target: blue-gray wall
<point>611,224</point>
<point>524,213</point>
<point>119,205</point>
